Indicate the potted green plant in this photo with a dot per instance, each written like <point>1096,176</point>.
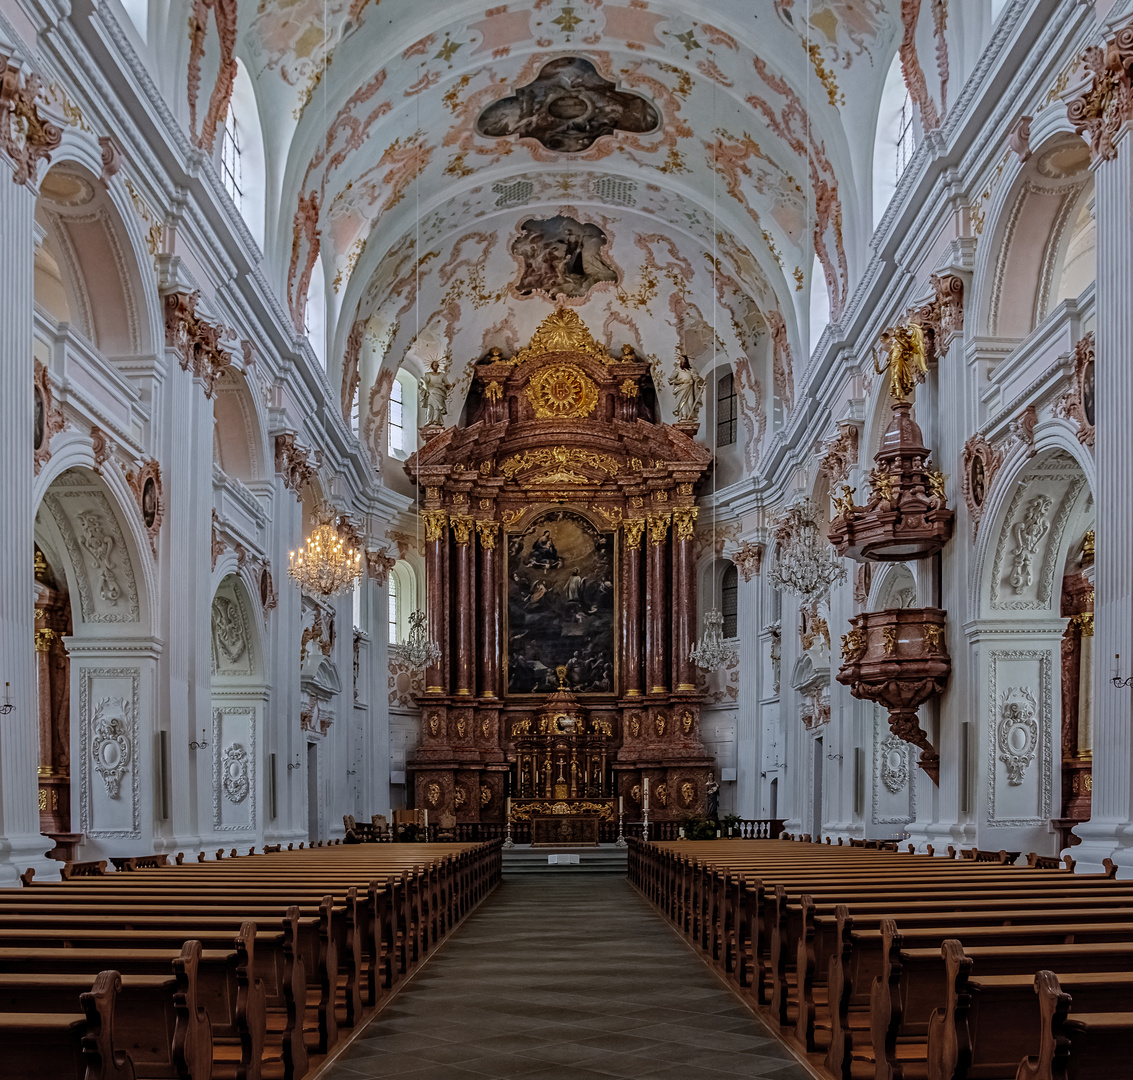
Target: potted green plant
<point>730,824</point>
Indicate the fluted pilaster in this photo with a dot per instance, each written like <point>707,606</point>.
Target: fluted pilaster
<point>20,840</point>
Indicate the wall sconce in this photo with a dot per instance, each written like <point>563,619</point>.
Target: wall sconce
<point>7,706</point>
<point>298,764</point>
<point>1118,682</point>
<point>202,745</point>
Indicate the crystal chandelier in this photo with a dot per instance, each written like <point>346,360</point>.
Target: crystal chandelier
<point>324,566</point>
<point>418,650</point>
<point>712,652</point>
<point>805,564</point>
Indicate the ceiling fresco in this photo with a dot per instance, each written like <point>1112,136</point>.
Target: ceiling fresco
<point>567,107</point>
<point>684,174</point>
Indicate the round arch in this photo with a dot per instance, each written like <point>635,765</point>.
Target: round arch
<point>93,236</point>
<point>1014,276</point>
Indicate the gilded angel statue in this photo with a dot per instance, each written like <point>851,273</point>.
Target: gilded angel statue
<point>908,360</point>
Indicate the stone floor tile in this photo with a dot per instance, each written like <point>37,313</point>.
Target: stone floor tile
<point>566,978</point>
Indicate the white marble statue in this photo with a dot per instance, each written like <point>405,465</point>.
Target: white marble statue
<point>688,385</point>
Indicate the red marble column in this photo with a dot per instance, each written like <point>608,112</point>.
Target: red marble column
<point>684,598</point>
<point>490,605</point>
<point>435,600</point>
<point>657,607</point>
<point>631,608</point>
<point>463,531</point>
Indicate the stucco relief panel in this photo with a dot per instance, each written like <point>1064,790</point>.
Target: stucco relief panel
<point>1019,737</point>
<point>108,752</point>
<point>233,746</point>
<point>894,787</point>
<point>1023,569</point>
<point>232,650</point>
<point>97,550</point>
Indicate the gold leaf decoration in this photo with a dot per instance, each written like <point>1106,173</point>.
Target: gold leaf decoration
<point>560,458</point>
<point>561,391</point>
<point>562,331</point>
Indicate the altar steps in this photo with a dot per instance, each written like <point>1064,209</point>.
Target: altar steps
<point>603,860</point>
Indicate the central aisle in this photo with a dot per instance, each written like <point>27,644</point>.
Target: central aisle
<point>567,977</point>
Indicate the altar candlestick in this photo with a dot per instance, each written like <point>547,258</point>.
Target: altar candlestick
<point>645,790</point>
<point>621,808</point>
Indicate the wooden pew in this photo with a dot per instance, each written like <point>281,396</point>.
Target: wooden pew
<point>990,1022</point>
<point>77,1044</point>
<point>1084,1045</point>
<point>801,928</point>
<point>902,1004</point>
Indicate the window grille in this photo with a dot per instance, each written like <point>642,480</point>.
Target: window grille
<point>396,419</point>
<point>231,170</point>
<point>906,136</point>
<point>726,410</point>
<point>393,601</point>
<point>729,601</point>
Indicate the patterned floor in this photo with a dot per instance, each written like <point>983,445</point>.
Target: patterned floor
<point>565,978</point>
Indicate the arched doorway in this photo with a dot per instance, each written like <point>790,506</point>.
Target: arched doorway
<point>97,664</point>
<point>1031,567</point>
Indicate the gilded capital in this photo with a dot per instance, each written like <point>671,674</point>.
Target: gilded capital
<point>684,521</point>
<point>435,521</point>
<point>487,531</point>
<point>635,529</point>
<point>462,529</point>
<point>659,528</point>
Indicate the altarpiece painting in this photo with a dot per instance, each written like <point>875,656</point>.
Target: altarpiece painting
<point>560,606</point>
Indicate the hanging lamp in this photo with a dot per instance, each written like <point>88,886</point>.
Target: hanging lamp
<point>324,565</point>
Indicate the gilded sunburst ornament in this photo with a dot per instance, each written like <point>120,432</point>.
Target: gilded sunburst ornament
<point>560,391</point>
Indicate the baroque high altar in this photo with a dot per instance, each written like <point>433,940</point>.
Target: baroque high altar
<point>561,566</point>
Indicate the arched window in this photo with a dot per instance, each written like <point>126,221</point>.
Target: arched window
<point>729,601</point>
<point>726,410</point>
<point>394,609</point>
<point>396,423</point>
<point>240,157</point>
<point>895,140</point>
<point>315,313</point>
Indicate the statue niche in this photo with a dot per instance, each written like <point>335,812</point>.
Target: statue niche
<point>551,512</point>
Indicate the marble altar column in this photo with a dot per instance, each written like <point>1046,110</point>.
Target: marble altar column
<point>463,532</point>
<point>657,607</point>
<point>490,606</point>
<point>631,607</point>
<point>684,599</point>
<point>435,535</point>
